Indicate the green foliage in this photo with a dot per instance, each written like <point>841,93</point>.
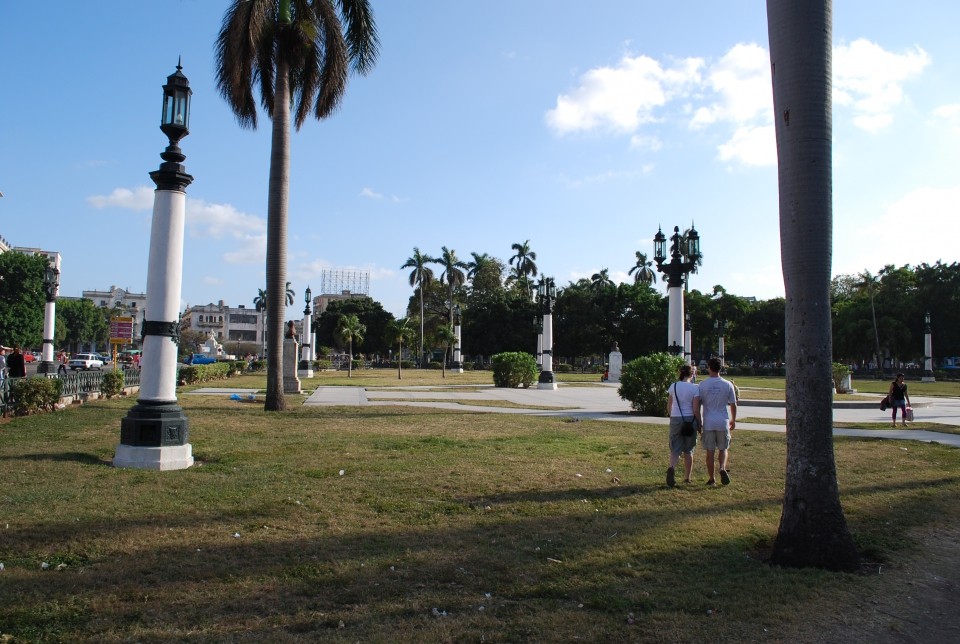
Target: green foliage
<point>322,365</point>
<point>840,371</point>
<point>35,394</point>
<point>513,369</point>
<point>371,316</point>
<point>258,365</point>
<point>435,364</point>
<point>22,299</point>
<point>645,381</point>
<point>193,374</point>
<point>112,383</point>
<point>563,367</point>
<point>79,322</point>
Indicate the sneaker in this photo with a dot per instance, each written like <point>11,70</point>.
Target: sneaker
<point>724,477</point>
<point>711,483</point>
<point>671,477</point>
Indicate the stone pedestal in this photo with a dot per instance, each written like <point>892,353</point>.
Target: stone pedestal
<point>615,365</point>
<point>291,383</point>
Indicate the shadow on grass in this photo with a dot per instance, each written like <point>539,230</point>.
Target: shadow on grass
<point>76,457</point>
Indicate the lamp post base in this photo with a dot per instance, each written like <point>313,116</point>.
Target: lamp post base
<point>305,369</point>
<point>928,377</point>
<point>47,367</point>
<point>547,380</point>
<point>173,457</point>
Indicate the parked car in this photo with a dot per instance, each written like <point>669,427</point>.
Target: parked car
<point>199,358</point>
<point>86,361</point>
<point>104,358</point>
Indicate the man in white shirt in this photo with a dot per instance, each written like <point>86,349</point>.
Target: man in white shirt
<point>718,413</point>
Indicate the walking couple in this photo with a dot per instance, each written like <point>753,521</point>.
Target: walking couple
<point>712,405</point>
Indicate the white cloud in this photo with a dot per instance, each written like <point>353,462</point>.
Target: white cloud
<point>751,145</point>
<point>140,198</point>
<point>622,98</point>
<point>949,115</point>
<point>369,193</point>
<point>869,79</point>
<point>741,83</point>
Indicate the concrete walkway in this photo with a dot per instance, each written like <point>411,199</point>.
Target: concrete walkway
<point>601,402</point>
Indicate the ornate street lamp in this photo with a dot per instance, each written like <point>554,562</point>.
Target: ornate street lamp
<point>687,339</point>
<point>547,292</point>
<point>154,434</point>
<point>684,255</point>
<point>51,288</point>
<point>305,369</point>
<point>927,350</point>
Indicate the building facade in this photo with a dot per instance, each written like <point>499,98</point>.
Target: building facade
<point>226,323</point>
<point>123,303</point>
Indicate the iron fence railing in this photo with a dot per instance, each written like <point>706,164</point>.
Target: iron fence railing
<point>72,384</point>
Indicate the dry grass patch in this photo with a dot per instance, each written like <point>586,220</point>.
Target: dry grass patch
<point>355,524</point>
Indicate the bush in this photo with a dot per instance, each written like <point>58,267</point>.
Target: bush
<point>563,368</point>
<point>34,394</point>
<point>512,369</point>
<point>322,365</point>
<point>435,364</point>
<point>112,383</point>
<point>258,365</point>
<point>468,366</point>
<point>840,371</point>
<point>237,367</point>
<point>193,374</point>
<point>645,382</point>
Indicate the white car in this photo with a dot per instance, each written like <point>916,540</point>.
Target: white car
<point>86,361</point>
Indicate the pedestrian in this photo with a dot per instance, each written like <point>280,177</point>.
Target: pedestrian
<point>682,407</point>
<point>16,366</point>
<point>62,359</point>
<point>3,362</point>
<point>899,399</point>
<point>718,413</point>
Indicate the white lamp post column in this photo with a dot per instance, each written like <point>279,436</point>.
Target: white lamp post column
<point>154,434</point>
<point>306,363</point>
<point>687,339</point>
<point>51,284</point>
<point>457,348</point>
<point>927,350</point>
<point>548,294</point>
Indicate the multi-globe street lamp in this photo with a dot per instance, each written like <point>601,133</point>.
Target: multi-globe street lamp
<point>684,255</point>
<point>457,335</point>
<point>154,434</point>
<point>306,347</point>
<point>51,287</point>
<point>547,295</point>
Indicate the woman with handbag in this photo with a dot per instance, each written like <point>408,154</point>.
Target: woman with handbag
<point>683,408</point>
<point>899,399</point>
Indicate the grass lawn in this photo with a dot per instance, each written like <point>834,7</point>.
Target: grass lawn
<point>391,524</point>
<point>869,386</point>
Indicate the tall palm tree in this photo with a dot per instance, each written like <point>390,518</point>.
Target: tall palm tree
<point>289,294</point>
<point>525,259</point>
<point>446,338</point>
<point>420,276</point>
<point>399,330</point>
<point>813,531</point>
<point>479,263</point>
<point>601,281</point>
<point>869,283</point>
<point>351,329</point>
<point>260,303</point>
<point>298,54</point>
<point>452,273</point>
<point>642,273</point>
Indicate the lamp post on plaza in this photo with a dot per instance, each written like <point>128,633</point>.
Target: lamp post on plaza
<point>927,350</point>
<point>687,339</point>
<point>306,346</point>
<point>547,294</point>
<point>154,433</point>
<point>682,261</point>
<point>457,349</point>
<point>51,287</point>
<point>721,327</point>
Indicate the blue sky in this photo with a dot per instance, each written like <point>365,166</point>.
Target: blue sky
<point>579,126</point>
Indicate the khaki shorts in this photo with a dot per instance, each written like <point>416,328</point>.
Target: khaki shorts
<point>713,440</point>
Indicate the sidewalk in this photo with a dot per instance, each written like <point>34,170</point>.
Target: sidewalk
<point>601,402</point>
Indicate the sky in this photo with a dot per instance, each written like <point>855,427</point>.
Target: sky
<point>581,127</point>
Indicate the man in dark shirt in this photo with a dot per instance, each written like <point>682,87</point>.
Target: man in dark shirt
<point>16,367</point>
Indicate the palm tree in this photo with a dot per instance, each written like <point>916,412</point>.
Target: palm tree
<point>642,272</point>
<point>870,284</point>
<point>446,337</point>
<point>813,531</point>
<point>452,273</point>
<point>260,303</point>
<point>525,259</point>
<point>420,276</point>
<point>399,330</point>
<point>350,328</point>
<point>601,281</point>
<point>299,54</point>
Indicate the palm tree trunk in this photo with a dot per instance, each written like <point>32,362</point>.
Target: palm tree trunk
<point>813,530</point>
<point>420,355</point>
<point>876,337</point>
<point>350,360</point>
<point>277,237</point>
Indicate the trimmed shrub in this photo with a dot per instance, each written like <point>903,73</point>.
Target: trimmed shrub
<point>34,394</point>
<point>840,371</point>
<point>237,367</point>
<point>513,369</point>
<point>258,365</point>
<point>435,364</point>
<point>468,366</point>
<point>563,367</point>
<point>112,383</point>
<point>193,374</point>
<point>322,365</point>
<point>645,382</point>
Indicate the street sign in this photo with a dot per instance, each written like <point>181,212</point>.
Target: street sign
<point>121,330</point>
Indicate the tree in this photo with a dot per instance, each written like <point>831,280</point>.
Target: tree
<point>642,273</point>
<point>299,53</point>
<point>81,322</point>
<point>525,259</point>
<point>813,530</point>
<point>370,313</point>
<point>350,328</point>
<point>398,331</point>
<point>445,336</point>
<point>452,273</point>
<point>485,273</point>
<point>869,284</point>
<point>22,299</point>
<point>420,276</point>
<point>260,303</point>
